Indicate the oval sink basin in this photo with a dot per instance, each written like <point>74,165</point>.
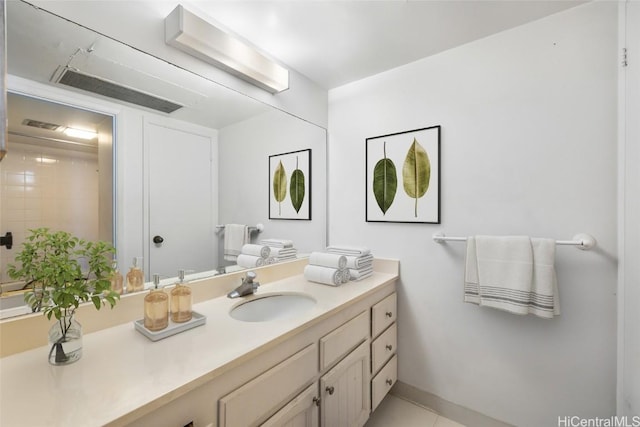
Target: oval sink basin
<point>272,307</point>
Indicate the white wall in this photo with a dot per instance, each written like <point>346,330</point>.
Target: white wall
<point>528,122</point>
<point>140,24</point>
<point>245,148</point>
<point>629,295</point>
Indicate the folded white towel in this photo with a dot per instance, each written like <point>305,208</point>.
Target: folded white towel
<point>499,273</point>
<point>348,250</point>
<point>250,261</point>
<point>283,258</point>
<point>235,236</point>
<point>280,252</point>
<point>328,260</point>
<point>256,250</point>
<point>277,243</point>
<point>324,275</point>
<point>360,274</point>
<point>359,261</point>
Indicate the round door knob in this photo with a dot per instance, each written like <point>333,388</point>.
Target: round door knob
<point>157,240</point>
<point>330,390</point>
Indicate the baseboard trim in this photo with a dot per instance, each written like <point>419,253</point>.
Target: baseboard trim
<point>457,413</point>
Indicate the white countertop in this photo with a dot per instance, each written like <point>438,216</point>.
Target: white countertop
<point>121,370</point>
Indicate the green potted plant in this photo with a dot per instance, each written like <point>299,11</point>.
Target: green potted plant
<point>62,272</point>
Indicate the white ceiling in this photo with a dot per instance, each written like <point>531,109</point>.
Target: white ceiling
<point>337,42</point>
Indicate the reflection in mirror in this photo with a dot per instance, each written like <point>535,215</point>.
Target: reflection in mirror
<point>179,174</point>
<point>55,177</point>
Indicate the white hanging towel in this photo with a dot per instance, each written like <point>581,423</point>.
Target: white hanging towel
<point>512,273</point>
<point>235,236</point>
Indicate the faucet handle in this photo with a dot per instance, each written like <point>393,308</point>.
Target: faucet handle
<point>251,275</point>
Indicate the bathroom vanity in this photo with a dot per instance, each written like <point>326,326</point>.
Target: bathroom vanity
<point>328,365</point>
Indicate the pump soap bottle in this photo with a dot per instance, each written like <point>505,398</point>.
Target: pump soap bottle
<point>181,301</point>
<point>116,278</point>
<point>135,277</point>
<point>156,307</point>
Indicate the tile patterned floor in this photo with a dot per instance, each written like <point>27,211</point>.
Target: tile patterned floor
<point>396,412</point>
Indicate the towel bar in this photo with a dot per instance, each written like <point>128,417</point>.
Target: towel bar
<point>582,241</point>
<point>258,228</point>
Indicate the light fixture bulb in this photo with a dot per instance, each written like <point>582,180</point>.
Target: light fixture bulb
<point>80,133</point>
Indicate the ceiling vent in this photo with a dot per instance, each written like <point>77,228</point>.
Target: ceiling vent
<point>41,125</point>
<point>109,89</point>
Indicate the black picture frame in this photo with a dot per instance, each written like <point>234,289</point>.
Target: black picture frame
<point>408,199</point>
<point>296,166</point>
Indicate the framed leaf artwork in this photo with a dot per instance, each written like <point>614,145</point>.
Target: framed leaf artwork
<point>403,177</point>
<point>290,185</point>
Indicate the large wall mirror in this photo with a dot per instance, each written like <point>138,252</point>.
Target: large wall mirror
<point>189,156</point>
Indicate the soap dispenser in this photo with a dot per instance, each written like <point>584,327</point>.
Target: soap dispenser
<point>135,277</point>
<point>156,307</point>
<point>116,278</point>
<point>181,301</point>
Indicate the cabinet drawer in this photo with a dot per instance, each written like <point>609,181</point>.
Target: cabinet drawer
<point>383,314</point>
<point>251,403</point>
<point>344,339</point>
<point>383,348</point>
<point>382,383</point>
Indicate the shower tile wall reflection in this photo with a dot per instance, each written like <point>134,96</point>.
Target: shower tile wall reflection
<point>46,187</point>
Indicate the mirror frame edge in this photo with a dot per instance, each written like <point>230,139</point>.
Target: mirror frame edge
<point>4,126</point>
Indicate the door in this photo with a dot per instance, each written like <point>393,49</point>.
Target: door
<point>345,391</point>
<point>180,200</point>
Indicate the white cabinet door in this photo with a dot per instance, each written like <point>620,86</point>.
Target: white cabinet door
<point>345,391</point>
<point>181,200</point>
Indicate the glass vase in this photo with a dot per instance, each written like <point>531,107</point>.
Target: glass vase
<point>65,338</point>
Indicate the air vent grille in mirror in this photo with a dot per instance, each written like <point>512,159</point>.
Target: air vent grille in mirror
<point>112,90</point>
<point>41,125</point>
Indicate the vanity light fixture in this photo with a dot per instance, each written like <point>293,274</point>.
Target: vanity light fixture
<point>200,38</point>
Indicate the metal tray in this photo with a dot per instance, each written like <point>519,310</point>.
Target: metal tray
<point>173,328</point>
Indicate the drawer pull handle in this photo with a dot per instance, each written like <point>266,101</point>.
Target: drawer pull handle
<point>330,390</point>
<point>389,347</point>
<point>389,314</point>
<point>389,381</point>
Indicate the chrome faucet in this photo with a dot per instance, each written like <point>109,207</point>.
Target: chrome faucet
<point>248,286</point>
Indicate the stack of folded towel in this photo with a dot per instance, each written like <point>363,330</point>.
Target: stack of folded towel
<point>359,260</point>
<point>281,249</point>
<point>326,268</point>
<point>254,256</point>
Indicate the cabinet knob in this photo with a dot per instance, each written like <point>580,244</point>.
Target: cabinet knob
<point>389,314</point>
<point>389,381</point>
<point>316,401</point>
<point>389,347</point>
<point>330,390</point>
